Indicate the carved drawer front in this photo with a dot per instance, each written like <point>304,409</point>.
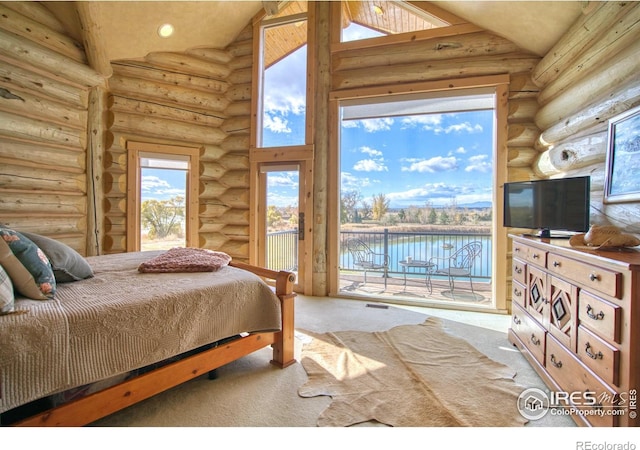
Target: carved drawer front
<point>601,357</point>
<point>530,333</point>
<point>519,271</point>
<point>530,254</point>
<point>593,277</point>
<point>574,378</point>
<point>537,303</point>
<point>600,316</point>
<point>563,302</point>
<point>518,294</point>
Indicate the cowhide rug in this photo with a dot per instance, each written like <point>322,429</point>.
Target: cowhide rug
<point>408,376</point>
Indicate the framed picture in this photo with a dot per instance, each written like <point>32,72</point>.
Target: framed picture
<point>622,183</point>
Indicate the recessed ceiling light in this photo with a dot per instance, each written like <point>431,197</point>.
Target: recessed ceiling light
<point>378,10</point>
<point>165,30</point>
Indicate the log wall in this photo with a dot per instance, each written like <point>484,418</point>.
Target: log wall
<point>198,98</point>
<point>591,75</point>
<point>45,91</point>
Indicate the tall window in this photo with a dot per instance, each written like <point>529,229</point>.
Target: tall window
<point>284,75</point>
<point>417,184</point>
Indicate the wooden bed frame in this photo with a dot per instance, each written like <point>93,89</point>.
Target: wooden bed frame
<point>100,404</point>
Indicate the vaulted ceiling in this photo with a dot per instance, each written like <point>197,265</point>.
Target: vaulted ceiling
<point>129,28</point>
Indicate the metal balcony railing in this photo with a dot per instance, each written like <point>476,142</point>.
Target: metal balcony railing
<point>282,248</point>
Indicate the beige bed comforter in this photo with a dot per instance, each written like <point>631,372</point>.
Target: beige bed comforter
<point>122,320</point>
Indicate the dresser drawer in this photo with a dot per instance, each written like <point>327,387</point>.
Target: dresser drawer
<point>567,371</point>
<point>601,357</point>
<point>600,316</point>
<point>594,278</point>
<point>518,269</point>
<point>530,333</point>
<point>530,254</point>
<point>519,294</point>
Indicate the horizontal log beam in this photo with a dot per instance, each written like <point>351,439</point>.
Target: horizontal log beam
<point>582,152</point>
<point>16,23</point>
<point>442,48</point>
<point>596,113</point>
<point>26,104</point>
<point>123,104</point>
<point>434,70</point>
<point>46,86</point>
<point>623,33</point>
<point>580,36</point>
<point>141,125</point>
<point>146,71</point>
<point>167,94</point>
<point>24,128</point>
<point>48,60</point>
<point>188,64</point>
<point>621,69</point>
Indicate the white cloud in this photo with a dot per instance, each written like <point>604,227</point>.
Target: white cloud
<point>153,183</point>
<point>370,151</point>
<point>428,122</point>
<point>433,165</point>
<point>463,127</point>
<point>351,182</point>
<point>283,180</point>
<point>370,165</point>
<point>479,163</point>
<point>276,124</point>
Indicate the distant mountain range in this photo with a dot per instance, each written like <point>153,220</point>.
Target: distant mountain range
<point>475,205</point>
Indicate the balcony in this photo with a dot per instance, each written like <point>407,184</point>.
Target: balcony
<point>403,283</point>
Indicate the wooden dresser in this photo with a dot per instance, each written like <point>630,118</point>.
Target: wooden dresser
<point>576,318</point>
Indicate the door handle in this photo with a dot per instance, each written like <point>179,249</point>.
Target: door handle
<point>301,226</point>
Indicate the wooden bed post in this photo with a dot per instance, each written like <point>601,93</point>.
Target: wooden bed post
<point>283,348</point>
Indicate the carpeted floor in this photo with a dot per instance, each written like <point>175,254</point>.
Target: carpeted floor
<point>252,393</point>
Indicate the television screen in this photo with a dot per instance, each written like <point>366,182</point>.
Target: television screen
<point>558,204</point>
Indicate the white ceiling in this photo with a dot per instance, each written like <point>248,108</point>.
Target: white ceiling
<point>129,28</point>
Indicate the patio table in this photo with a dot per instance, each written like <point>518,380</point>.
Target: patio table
<point>418,264</point>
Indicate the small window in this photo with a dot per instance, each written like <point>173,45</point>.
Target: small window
<point>162,197</point>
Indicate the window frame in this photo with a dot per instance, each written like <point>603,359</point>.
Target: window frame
<point>134,169</point>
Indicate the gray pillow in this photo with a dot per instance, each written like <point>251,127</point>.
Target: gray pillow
<point>68,265</point>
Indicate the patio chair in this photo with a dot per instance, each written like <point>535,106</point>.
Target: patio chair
<point>366,259</point>
<point>459,264</point>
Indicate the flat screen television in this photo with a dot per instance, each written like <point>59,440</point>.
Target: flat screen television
<point>548,205</point>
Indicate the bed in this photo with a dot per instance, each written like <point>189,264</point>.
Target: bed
<point>147,331</point>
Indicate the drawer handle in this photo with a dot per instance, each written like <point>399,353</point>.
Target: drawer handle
<point>517,292</point>
<point>536,256</point>
<point>516,320</point>
<point>593,316</point>
<point>594,277</point>
<point>517,249</point>
<point>534,340</point>
<point>518,269</point>
<point>558,364</point>
<point>556,264</point>
<point>598,355</point>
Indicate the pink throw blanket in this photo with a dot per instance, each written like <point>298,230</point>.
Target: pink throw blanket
<point>186,260</point>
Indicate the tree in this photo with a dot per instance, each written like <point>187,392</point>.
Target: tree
<point>273,216</point>
<point>380,206</point>
<point>163,217</point>
<point>348,206</point>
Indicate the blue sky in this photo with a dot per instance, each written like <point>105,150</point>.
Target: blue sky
<point>413,160</point>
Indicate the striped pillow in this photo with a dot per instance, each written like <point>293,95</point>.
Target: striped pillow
<point>6,292</point>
